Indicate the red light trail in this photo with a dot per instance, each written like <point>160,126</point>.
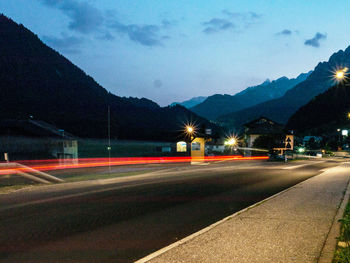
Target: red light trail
<point>49,165</point>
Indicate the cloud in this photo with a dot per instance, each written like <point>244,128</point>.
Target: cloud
<point>254,15</point>
<point>106,36</point>
<point>217,24</point>
<point>67,44</point>
<point>157,83</point>
<point>246,19</point>
<point>285,32</point>
<point>166,37</point>
<point>84,17</point>
<point>232,20</point>
<point>167,23</point>
<point>242,15</point>
<point>147,35</point>
<point>315,41</point>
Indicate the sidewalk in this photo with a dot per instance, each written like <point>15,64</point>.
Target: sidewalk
<point>292,226</point>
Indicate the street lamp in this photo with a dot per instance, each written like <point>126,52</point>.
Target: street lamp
<point>232,141</point>
<point>301,150</point>
<point>189,129</point>
<point>340,74</point>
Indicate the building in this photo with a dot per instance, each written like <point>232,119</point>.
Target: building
<point>33,139</point>
<point>259,127</point>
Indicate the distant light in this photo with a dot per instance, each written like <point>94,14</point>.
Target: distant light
<point>301,150</point>
<point>348,115</point>
<point>189,129</point>
<point>344,132</point>
<point>339,74</point>
<point>231,141</point>
<point>338,130</point>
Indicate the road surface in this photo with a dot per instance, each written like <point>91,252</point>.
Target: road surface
<point>124,219</point>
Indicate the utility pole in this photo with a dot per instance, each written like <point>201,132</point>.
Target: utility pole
<point>109,139</point>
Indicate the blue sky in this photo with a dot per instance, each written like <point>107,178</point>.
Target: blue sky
<point>171,50</point>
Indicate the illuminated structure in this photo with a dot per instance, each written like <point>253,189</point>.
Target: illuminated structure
<point>259,127</point>
<point>31,138</point>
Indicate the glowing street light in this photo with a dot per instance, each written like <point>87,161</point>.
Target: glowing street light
<point>231,141</point>
<point>348,115</point>
<point>340,74</point>
<point>189,129</point>
<point>301,149</point>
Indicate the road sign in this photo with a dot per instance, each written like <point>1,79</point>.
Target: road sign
<point>280,151</point>
<point>289,142</point>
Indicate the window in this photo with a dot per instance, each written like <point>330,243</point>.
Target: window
<point>196,146</point>
<point>181,147</point>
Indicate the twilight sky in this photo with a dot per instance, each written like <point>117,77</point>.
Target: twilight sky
<point>172,50</point>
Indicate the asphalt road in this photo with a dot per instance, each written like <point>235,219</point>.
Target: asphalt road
<point>122,220</point>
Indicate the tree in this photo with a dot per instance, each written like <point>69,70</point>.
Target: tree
<point>269,141</point>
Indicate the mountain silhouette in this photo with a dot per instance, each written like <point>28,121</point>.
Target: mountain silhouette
<point>37,81</point>
<point>251,96</point>
<point>281,109</point>
<point>325,113</point>
<point>191,102</point>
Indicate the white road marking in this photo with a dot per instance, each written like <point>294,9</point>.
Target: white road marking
<point>301,165</point>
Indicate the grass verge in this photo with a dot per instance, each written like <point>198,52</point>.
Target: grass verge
<point>342,252</point>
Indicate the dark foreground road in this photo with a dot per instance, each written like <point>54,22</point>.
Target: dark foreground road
<point>122,221</point>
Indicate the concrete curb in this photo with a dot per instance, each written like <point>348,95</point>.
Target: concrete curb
<point>327,252</point>
<point>204,230</point>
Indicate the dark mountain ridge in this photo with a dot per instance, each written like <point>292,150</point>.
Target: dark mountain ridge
<point>325,113</point>
<point>280,110</point>
<point>251,96</point>
<point>37,81</point>
<point>191,102</point>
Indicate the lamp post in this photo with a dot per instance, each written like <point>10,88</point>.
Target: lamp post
<point>340,75</point>
<point>230,142</point>
<point>109,148</point>
<point>190,130</point>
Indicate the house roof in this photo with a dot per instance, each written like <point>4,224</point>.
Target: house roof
<point>263,125</point>
<point>32,128</point>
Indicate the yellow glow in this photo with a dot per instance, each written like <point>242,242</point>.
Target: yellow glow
<point>231,141</point>
<point>189,129</point>
<point>339,74</point>
<point>348,115</point>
